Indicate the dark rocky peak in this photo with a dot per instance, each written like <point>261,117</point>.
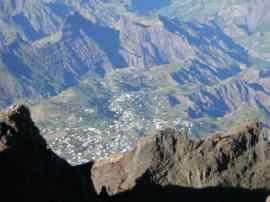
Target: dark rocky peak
<point>17,130</point>
<point>19,116</point>
<point>29,170</point>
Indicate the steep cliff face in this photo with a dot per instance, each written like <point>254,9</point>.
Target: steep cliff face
<point>161,167</point>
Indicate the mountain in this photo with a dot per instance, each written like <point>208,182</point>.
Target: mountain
<point>30,171</point>
<point>236,159</point>
<point>80,47</point>
<point>232,166</point>
<point>238,17</point>
<point>245,21</point>
<point>114,71</point>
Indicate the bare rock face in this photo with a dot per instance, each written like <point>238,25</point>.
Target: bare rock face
<point>237,159</point>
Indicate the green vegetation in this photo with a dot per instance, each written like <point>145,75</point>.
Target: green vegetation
<point>48,40</point>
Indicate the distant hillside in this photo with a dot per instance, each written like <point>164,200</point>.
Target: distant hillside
<point>47,64</point>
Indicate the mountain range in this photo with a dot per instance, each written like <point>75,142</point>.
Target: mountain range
<point>127,67</point>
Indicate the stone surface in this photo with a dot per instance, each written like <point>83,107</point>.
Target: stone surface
<point>237,159</point>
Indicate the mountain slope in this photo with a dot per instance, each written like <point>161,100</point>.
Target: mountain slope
<point>234,159</point>
<point>80,47</point>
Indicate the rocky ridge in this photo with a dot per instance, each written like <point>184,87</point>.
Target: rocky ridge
<point>30,171</point>
<point>237,159</point>
<point>168,164</point>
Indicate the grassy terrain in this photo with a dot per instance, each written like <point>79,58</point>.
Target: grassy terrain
<point>48,40</point>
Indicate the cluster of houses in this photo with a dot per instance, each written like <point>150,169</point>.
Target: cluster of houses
<point>78,141</point>
<point>82,144</point>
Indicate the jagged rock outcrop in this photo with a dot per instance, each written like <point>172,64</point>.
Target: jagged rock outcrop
<point>168,166</point>
<point>29,170</point>
<point>237,159</point>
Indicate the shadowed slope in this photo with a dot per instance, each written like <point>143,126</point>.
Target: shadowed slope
<point>30,171</point>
